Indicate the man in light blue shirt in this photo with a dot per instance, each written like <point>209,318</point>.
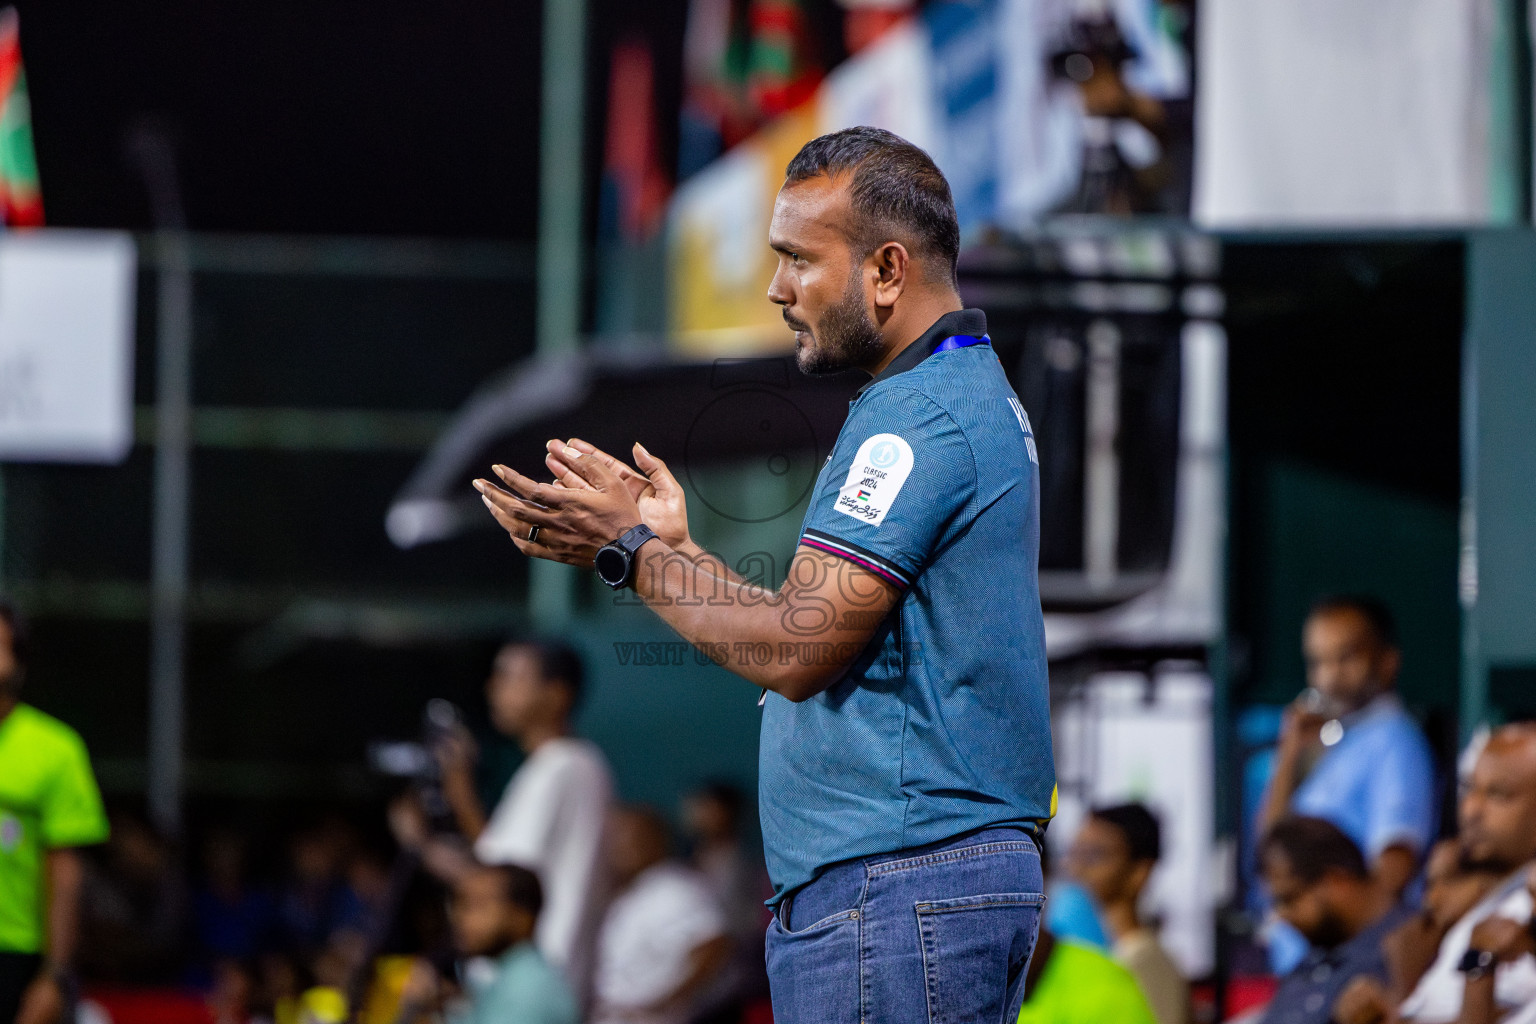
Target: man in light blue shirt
<point>1349,753</point>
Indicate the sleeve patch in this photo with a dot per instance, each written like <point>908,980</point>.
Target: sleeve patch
<point>879,469</point>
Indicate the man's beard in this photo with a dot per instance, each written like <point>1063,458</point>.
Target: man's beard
<point>1329,933</point>
<point>1492,864</point>
<point>846,337</point>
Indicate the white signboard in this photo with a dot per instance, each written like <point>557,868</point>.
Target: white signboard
<point>66,345</point>
<point>1117,741</point>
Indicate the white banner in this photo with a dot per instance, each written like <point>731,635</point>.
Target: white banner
<point>66,345</point>
<point>1343,113</point>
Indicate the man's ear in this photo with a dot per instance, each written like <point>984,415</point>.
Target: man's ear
<point>891,263</point>
<point>1140,872</point>
<point>1391,659</point>
<point>522,923</point>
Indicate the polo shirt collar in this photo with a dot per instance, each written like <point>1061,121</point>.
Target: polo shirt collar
<point>962,321</point>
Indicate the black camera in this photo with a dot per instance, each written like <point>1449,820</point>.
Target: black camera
<point>1086,42</point>
<point>417,760</point>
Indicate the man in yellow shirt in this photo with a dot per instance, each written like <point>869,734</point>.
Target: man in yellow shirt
<point>49,804</point>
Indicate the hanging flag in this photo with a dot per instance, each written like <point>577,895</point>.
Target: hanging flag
<point>21,199</point>
<point>782,71</point>
<point>634,187</point>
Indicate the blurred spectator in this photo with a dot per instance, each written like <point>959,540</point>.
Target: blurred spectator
<point>49,805</point>
<point>1113,856</point>
<point>314,901</point>
<point>1321,887</point>
<point>135,913</point>
<point>1349,753</point>
<point>712,815</point>
<point>1498,834</point>
<point>282,980</point>
<point>1069,983</point>
<point>549,819</point>
<point>1072,983</point>
<point>663,941</point>
<point>495,912</point>
<point>1496,942</point>
<point>366,881</point>
<point>234,919</point>
<point>232,996</point>
<point>1451,888</point>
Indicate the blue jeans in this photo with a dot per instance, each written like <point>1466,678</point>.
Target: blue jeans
<point>939,934</point>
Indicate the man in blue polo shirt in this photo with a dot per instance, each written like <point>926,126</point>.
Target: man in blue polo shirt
<point>906,767</point>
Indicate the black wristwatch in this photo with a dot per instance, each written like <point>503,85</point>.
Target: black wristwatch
<point>615,562</point>
<point>1477,963</point>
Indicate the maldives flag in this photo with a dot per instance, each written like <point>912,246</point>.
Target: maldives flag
<point>21,199</point>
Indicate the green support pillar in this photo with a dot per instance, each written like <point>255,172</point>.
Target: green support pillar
<point>1498,563</point>
<point>552,587</point>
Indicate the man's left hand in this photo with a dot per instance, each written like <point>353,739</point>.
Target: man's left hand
<point>42,1003</point>
<point>572,523</point>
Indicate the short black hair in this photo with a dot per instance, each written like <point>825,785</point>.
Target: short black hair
<point>1313,847</point>
<point>1377,616</point>
<point>898,192</point>
<point>558,663</point>
<point>1143,836</point>
<point>519,886</point>
<point>727,794</point>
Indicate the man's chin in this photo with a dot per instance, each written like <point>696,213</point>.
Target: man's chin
<point>810,358</point>
<point>811,363</point>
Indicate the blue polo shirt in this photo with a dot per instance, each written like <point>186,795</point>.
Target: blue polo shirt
<point>942,725</point>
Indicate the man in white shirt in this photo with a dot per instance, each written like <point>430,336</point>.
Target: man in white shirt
<point>551,816</point>
<point>664,939</point>
<point>1498,831</point>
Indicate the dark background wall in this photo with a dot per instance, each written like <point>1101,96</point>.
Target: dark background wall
<point>1345,405</point>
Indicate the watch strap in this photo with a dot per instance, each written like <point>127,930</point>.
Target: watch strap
<point>1477,963</point>
<point>635,536</point>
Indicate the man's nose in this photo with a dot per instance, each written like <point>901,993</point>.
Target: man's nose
<point>1325,675</point>
<point>778,292</point>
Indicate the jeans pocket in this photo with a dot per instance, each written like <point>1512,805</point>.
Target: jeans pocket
<point>814,972</point>
<point>975,951</point>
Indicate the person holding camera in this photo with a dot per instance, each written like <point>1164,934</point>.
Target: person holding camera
<point>550,817</point>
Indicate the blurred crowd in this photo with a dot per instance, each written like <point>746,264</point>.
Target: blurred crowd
<point>554,902</point>
<point>1374,911</point>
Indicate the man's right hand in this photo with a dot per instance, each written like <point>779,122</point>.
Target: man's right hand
<point>408,822</point>
<point>1363,1001</point>
<point>657,494</point>
<point>42,1003</point>
<point>1300,731</point>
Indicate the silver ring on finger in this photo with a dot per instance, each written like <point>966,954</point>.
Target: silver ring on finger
<point>533,534</point>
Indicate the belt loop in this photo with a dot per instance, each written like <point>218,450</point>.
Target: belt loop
<point>784,911</point>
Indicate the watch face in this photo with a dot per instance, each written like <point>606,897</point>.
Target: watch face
<point>611,565</point>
